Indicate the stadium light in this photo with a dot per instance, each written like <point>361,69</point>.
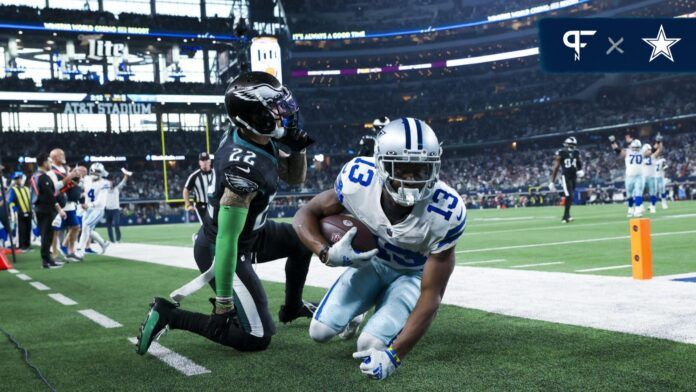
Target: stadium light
<point>489,58</point>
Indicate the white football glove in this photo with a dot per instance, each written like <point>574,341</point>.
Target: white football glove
<point>378,364</point>
<point>580,173</point>
<point>612,138</point>
<point>57,221</point>
<point>342,254</point>
<point>552,187</point>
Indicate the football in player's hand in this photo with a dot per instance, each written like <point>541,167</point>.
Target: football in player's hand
<point>334,227</point>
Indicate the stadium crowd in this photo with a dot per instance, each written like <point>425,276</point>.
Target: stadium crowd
<point>215,23</point>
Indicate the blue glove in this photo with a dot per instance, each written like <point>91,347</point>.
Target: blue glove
<point>378,364</point>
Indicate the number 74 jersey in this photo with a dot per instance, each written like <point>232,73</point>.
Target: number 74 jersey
<point>434,225</point>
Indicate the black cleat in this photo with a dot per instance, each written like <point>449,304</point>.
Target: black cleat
<point>155,325</point>
<point>307,310</point>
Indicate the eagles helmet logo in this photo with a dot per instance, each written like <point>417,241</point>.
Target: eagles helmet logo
<point>240,185</point>
<point>262,93</point>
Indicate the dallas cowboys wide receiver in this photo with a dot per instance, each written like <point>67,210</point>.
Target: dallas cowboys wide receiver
<point>416,219</point>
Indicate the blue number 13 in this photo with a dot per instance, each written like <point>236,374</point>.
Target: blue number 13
<point>436,198</point>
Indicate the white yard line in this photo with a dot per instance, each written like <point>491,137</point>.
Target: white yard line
<point>536,264</point>
<point>482,262</point>
<point>655,308</point>
<point>23,277</point>
<point>99,318</point>
<point>604,268</point>
<point>12,271</point>
<point>39,286</point>
<point>623,237</point>
<point>60,298</point>
<point>179,362</point>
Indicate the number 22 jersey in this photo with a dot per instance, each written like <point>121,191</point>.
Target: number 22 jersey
<point>243,167</point>
<point>434,225</point>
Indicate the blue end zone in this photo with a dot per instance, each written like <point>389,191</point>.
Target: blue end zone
<point>692,279</point>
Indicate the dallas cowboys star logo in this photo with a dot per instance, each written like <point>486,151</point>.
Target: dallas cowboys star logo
<point>661,45</point>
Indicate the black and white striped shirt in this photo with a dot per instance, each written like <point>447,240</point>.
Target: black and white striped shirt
<point>198,184</point>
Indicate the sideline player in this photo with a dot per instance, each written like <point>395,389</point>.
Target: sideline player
<point>247,167</point>
<point>416,219</point>
<point>635,183</point>
<point>367,142</point>
<point>568,159</point>
<point>660,166</point>
<point>650,170</point>
<point>96,188</point>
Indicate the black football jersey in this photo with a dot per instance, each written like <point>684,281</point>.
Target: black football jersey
<point>570,161</point>
<point>244,167</point>
<point>367,146</point>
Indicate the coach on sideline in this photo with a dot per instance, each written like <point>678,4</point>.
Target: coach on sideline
<point>197,184</point>
<point>46,208</point>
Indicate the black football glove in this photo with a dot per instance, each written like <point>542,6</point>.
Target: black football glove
<point>295,137</point>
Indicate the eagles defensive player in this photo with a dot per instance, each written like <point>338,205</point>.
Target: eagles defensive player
<point>417,223</point>
<point>568,160</point>
<point>248,165</point>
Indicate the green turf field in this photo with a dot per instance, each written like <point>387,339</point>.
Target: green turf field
<point>533,234</point>
<point>464,350</point>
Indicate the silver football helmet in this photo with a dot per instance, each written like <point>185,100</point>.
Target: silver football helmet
<point>570,143</point>
<point>97,170</point>
<point>635,145</point>
<point>407,152</point>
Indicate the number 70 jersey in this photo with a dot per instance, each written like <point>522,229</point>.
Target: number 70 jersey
<point>434,225</point>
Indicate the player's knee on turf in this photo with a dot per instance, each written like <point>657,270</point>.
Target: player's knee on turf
<point>320,332</point>
<point>367,341</point>
<point>250,343</point>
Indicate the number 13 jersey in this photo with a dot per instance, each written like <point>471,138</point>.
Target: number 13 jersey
<point>434,225</point>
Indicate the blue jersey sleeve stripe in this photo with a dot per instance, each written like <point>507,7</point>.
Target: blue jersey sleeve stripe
<point>407,130</point>
<point>450,239</point>
<point>456,229</point>
<point>420,134</point>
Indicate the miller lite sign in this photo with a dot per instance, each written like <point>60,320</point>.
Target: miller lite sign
<point>100,49</point>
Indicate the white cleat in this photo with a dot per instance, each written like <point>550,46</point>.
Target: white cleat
<point>106,245</point>
<point>638,212</point>
<point>652,209</point>
<point>630,212</point>
<point>664,204</point>
<point>352,327</point>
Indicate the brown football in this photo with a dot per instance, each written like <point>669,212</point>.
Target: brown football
<point>334,227</point>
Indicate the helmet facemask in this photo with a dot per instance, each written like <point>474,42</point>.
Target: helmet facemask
<point>415,176</point>
<point>281,107</point>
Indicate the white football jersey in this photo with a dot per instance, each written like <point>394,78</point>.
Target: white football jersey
<point>648,164</point>
<point>96,192</point>
<point>634,163</point>
<point>659,164</point>
<point>434,225</point>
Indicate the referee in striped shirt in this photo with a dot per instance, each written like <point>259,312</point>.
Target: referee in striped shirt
<point>197,185</point>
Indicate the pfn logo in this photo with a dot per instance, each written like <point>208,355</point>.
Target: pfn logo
<point>576,44</point>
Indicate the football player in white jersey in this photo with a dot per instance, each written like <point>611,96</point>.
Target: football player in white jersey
<point>649,156</point>
<point>635,183</point>
<point>416,220</point>
<point>96,188</point>
<point>660,166</point>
